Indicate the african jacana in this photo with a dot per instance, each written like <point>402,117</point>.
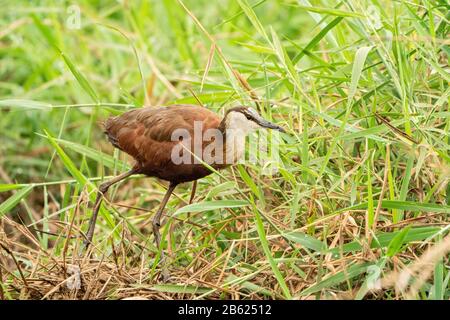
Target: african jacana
<point>147,134</point>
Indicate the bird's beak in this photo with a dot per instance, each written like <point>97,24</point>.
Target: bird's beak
<point>269,125</point>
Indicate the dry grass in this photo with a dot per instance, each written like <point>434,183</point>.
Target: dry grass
<point>418,271</point>
<point>124,270</point>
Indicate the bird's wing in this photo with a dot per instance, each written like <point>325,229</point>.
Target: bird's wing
<point>146,133</point>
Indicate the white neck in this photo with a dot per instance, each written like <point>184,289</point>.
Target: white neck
<point>237,128</point>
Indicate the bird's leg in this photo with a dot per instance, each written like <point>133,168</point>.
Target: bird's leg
<point>191,198</point>
<point>102,189</point>
<point>157,224</point>
<point>194,189</point>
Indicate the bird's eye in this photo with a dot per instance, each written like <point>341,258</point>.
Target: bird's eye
<point>248,117</point>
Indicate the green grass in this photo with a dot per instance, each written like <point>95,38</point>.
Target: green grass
<point>362,87</point>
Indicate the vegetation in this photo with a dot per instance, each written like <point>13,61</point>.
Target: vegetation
<point>361,194</point>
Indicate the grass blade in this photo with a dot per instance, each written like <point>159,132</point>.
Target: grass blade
<point>84,83</point>
<point>316,39</point>
<point>12,201</point>
<point>211,205</point>
<point>96,155</point>
<point>9,187</point>
<point>81,179</point>
<point>338,278</point>
<point>397,242</point>
<point>25,104</point>
<point>268,253</point>
<point>306,241</point>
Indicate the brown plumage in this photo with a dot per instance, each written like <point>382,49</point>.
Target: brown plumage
<point>147,134</point>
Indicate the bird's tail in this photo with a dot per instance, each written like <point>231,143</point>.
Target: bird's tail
<point>109,130</point>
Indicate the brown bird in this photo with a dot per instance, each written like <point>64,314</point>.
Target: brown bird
<point>174,143</point>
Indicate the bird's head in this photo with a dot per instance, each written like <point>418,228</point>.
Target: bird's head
<point>247,119</point>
